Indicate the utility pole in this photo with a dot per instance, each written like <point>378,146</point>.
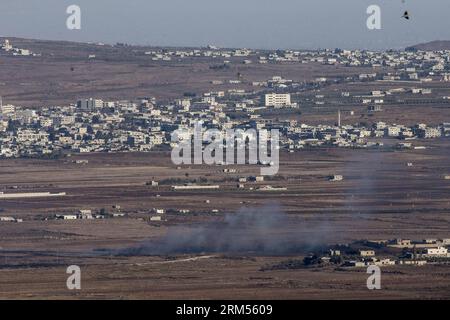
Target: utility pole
<point>339,118</point>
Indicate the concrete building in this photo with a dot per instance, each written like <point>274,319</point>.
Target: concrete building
<point>67,217</point>
<point>429,133</point>
<point>8,109</point>
<point>435,252</point>
<point>367,253</point>
<point>277,100</point>
<point>89,104</point>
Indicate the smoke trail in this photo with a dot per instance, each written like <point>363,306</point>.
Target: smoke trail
<point>262,230</point>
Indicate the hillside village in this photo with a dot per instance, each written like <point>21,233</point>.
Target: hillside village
<point>382,253</point>
<point>143,124</point>
<point>97,126</point>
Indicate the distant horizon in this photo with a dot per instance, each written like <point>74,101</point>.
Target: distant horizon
<point>258,24</point>
<point>99,42</point>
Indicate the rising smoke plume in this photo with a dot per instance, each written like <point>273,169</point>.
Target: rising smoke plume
<point>262,230</point>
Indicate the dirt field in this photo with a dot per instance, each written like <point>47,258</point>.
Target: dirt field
<point>64,74</point>
<point>380,198</point>
<point>222,278</point>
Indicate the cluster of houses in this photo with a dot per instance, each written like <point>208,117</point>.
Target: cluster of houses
<point>410,64</point>
<point>209,52</point>
<point>407,65</point>
<point>8,48</point>
<point>93,125</point>
<point>144,124</point>
<point>155,214</point>
<point>384,253</point>
<point>10,219</point>
<point>85,214</point>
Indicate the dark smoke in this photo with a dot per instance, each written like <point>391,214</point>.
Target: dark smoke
<point>263,230</point>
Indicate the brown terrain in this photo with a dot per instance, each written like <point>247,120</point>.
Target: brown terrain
<point>380,197</point>
<point>64,73</point>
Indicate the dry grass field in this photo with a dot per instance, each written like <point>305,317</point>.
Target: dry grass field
<point>380,198</point>
<point>64,74</point>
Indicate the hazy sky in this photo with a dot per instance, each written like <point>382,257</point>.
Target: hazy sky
<point>231,23</point>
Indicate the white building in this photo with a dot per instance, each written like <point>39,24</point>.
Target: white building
<point>277,100</point>
<point>89,104</point>
<point>367,253</point>
<point>7,46</point>
<point>31,136</point>
<point>8,109</point>
<point>67,217</point>
<point>436,252</point>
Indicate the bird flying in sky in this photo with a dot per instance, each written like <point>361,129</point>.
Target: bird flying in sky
<point>406,15</point>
